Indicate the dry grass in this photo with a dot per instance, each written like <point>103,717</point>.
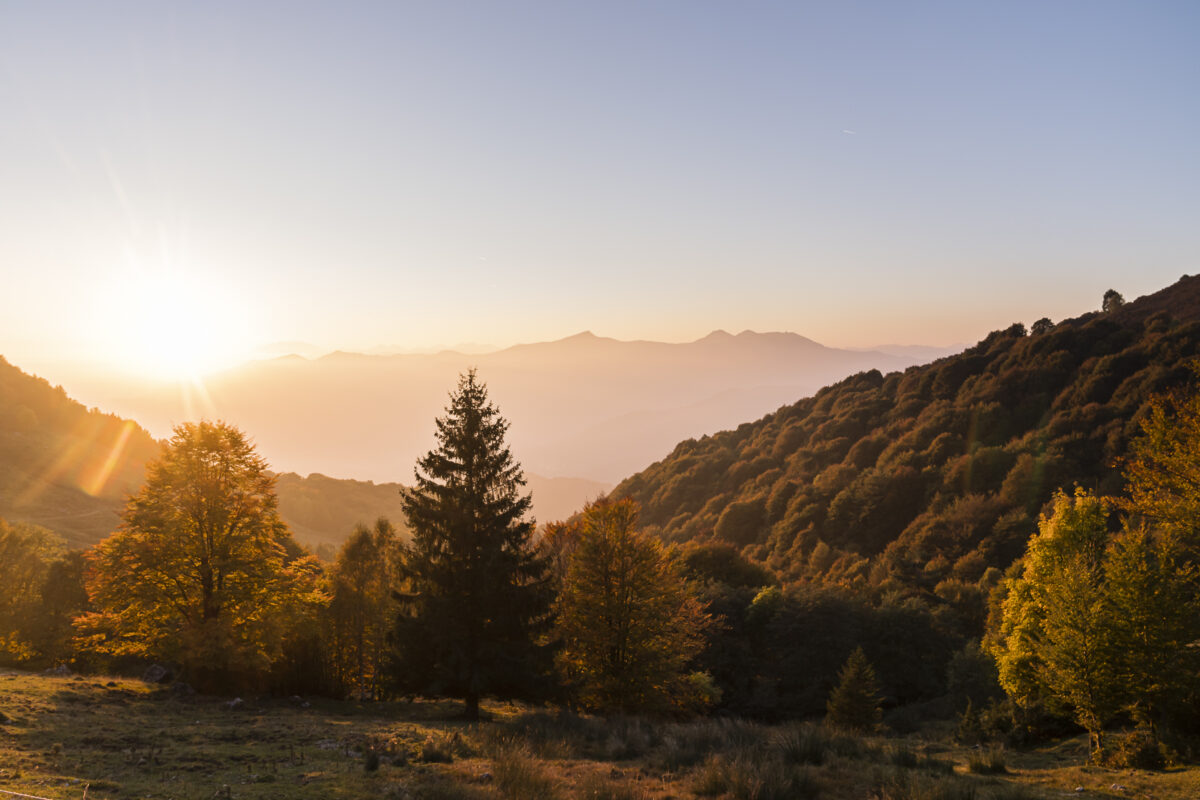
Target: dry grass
<point>120,739</point>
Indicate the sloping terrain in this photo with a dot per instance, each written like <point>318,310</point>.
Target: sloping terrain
<point>585,406</point>
<point>938,471</point>
<point>63,466</point>
<point>70,469</point>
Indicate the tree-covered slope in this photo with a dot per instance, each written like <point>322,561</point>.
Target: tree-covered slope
<point>70,469</point>
<point>64,466</point>
<point>323,511</point>
<point>930,475</point>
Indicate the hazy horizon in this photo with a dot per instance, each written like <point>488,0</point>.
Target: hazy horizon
<point>583,406</point>
<point>188,182</point>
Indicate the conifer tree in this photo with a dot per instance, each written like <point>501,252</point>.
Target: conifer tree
<point>854,702</point>
<point>478,594</point>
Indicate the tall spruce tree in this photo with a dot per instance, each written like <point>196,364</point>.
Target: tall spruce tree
<point>478,594</point>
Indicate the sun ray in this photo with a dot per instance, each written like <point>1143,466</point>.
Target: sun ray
<point>95,483</point>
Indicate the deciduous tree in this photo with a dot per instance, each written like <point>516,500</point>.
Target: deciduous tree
<point>629,623</point>
<point>26,555</point>
<point>361,609</point>
<point>199,571</point>
<point>1162,470</point>
<point>1057,629</point>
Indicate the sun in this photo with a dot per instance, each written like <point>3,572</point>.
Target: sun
<point>171,326</point>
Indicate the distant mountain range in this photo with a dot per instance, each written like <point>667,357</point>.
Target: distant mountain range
<point>586,407</point>
<point>70,469</point>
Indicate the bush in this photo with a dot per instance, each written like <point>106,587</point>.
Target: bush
<point>1136,750</point>
<point>970,729</point>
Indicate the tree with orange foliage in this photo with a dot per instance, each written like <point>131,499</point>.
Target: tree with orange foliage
<point>629,624</point>
<point>202,572</point>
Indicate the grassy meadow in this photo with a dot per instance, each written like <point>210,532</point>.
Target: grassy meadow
<point>97,737</point>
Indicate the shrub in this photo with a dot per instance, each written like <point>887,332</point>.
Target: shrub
<point>1136,750</point>
<point>970,729</point>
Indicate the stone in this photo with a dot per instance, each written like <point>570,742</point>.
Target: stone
<point>156,673</point>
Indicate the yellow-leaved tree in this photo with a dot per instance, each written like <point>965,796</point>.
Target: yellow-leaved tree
<point>202,572</point>
<point>1057,633</point>
<point>630,626</point>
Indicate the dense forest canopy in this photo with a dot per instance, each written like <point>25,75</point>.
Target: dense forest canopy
<point>937,472</point>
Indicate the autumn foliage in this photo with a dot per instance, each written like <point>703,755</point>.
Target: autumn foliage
<point>630,625</point>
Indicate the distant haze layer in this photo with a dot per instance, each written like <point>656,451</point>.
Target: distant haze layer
<point>581,407</point>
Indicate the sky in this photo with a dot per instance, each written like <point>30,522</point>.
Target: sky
<point>191,181</point>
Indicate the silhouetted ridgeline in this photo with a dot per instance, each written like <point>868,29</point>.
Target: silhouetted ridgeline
<point>925,478</point>
<point>69,469</point>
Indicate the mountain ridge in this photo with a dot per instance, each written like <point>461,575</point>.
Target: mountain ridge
<point>369,416</point>
<point>934,473</point>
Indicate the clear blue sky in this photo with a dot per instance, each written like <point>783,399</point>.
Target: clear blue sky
<point>413,174</point>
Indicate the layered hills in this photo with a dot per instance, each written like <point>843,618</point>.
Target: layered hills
<point>69,468</point>
<point>932,474</point>
<point>63,466</point>
<point>585,407</point>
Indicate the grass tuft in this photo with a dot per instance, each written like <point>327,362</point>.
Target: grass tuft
<point>988,761</point>
<point>518,775</point>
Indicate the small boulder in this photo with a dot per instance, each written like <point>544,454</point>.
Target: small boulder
<point>156,673</point>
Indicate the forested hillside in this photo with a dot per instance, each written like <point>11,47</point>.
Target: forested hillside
<point>63,466</point>
<point>70,470</point>
<point>321,510</point>
<point>929,476</point>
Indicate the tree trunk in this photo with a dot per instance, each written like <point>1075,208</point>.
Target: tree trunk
<point>1095,745</point>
